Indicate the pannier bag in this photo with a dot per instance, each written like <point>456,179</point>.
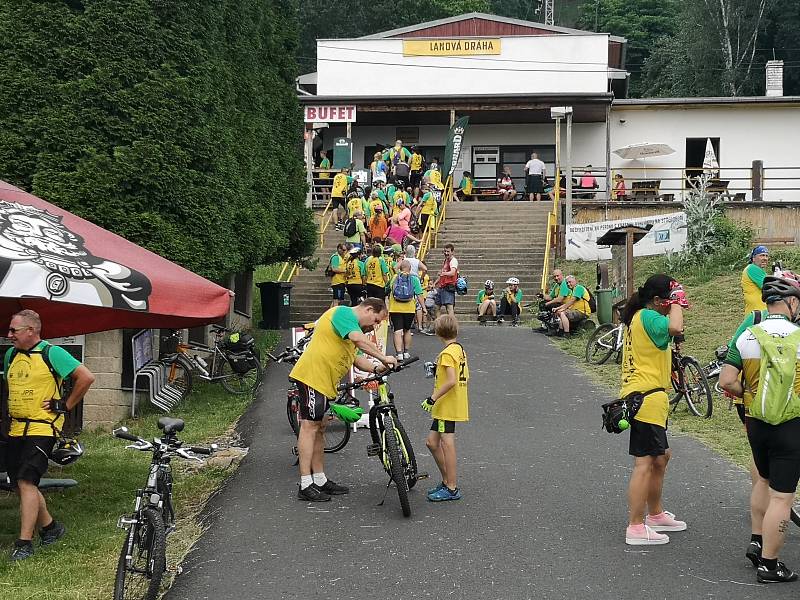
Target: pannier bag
<point>242,362</point>
<point>239,342</point>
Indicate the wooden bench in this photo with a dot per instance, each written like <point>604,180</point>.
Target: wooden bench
<point>485,194</point>
<point>645,190</point>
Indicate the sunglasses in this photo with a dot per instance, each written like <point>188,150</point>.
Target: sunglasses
<point>16,329</point>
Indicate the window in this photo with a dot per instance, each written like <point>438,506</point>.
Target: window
<point>408,135</point>
<point>485,161</point>
<point>696,152</point>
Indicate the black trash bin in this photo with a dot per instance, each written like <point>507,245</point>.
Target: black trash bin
<point>275,304</point>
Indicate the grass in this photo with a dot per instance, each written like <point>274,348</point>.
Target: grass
<point>82,565</point>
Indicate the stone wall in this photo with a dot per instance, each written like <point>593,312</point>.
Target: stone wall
<point>105,404</point>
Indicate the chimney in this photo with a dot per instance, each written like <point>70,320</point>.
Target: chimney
<point>774,78</point>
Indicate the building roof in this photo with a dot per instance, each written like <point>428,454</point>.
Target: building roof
<point>532,25</point>
<point>706,101</point>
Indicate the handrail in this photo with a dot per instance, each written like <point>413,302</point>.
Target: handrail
<point>552,219</point>
<point>323,223</point>
<point>432,233</point>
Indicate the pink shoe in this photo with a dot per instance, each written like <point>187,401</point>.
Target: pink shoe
<point>642,535</point>
<point>666,521</point>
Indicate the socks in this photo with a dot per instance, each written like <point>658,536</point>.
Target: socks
<point>639,528</point>
<point>305,481</point>
<point>756,537</point>
<point>21,543</point>
<point>49,527</point>
<point>770,563</point>
<point>320,479</point>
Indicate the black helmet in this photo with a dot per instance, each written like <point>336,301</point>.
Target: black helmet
<point>781,287</point>
<point>66,451</point>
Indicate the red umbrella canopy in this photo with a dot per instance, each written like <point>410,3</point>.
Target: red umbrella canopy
<point>81,278</point>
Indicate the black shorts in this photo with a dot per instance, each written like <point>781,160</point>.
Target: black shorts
<point>740,412</point>
<point>647,439</point>
<point>776,452</point>
<point>376,291</point>
<point>338,291</point>
<point>535,184</point>
<point>26,457</point>
<point>415,178</point>
<point>423,221</point>
<point>312,404</point>
<point>337,202</point>
<point>440,426</point>
<point>356,293</point>
<point>402,321</point>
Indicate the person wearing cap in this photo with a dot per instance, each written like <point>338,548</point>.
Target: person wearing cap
<point>753,279</point>
<point>378,169</point>
<point>510,302</point>
<point>485,301</point>
<point>575,308</point>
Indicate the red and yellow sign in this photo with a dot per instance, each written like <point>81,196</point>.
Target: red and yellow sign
<point>451,47</point>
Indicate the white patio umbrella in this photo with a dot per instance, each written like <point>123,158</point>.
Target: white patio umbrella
<point>643,151</point>
<point>710,163</point>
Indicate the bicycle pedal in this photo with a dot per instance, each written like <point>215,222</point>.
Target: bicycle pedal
<point>373,449</point>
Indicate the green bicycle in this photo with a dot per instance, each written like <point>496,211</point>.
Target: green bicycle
<point>389,440</point>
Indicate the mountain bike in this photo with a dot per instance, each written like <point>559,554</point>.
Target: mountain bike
<point>142,561</point>
<point>689,382</point>
<point>714,368</point>
<point>234,362</point>
<point>605,342</point>
<point>389,440</point>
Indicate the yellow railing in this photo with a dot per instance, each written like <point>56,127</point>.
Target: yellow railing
<point>430,237</point>
<point>552,220</point>
<point>324,221</point>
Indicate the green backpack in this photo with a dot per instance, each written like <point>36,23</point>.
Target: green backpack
<point>776,401</point>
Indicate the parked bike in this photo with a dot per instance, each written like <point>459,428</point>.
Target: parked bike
<point>232,361</point>
<point>714,368</point>
<point>606,341</point>
<point>690,383</point>
<point>142,561</point>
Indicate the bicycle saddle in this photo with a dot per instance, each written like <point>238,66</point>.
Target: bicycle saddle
<point>168,424</point>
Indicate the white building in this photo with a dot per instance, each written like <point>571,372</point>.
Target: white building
<point>506,74</point>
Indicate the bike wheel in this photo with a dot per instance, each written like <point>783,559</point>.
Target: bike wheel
<point>240,383</point>
<point>337,434</point>
<point>293,408</point>
<point>395,459</point>
<point>141,579</point>
<point>697,391</point>
<point>794,514</point>
<point>179,375</point>
<point>601,344</point>
<point>411,471</point>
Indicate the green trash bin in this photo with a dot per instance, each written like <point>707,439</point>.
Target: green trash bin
<point>604,306</point>
<point>275,304</point>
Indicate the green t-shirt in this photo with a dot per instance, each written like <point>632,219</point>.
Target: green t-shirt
<point>559,289</point>
<point>482,295</point>
<point>356,237</point>
<point>756,274</point>
<point>517,296</point>
<point>656,326</point>
<point>733,357</point>
<point>325,164</point>
<point>344,321</point>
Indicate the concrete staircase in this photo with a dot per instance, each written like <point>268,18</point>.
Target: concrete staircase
<point>494,240</point>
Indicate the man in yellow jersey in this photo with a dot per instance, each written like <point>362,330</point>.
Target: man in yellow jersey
<point>416,164</point>
<point>430,207</point>
<point>753,278</point>
<point>448,405</point>
<point>338,270</point>
<point>338,335</point>
<point>653,315</point>
<point>774,442</point>
<point>575,308</point>
<point>376,273</point>
<point>341,181</point>
<point>33,371</point>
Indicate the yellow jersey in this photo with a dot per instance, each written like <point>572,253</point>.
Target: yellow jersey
<point>353,274</point>
<point>376,271</point>
<point>404,306</point>
<point>416,162</point>
<point>330,353</point>
<point>454,405</point>
<point>647,364</point>
<point>582,300</point>
<point>752,280</point>
<point>337,263</point>
<point>339,185</point>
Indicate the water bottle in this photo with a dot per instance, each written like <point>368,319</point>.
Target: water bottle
<point>201,361</point>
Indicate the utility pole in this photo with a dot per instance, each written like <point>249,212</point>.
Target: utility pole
<point>547,5</point>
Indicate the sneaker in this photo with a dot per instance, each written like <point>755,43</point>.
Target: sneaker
<point>428,331</point>
<point>444,494</point>
<point>515,323</point>
<point>554,333</point>
<point>21,552</point>
<point>437,488</point>
<point>753,553</point>
<point>52,535</point>
<point>642,535</point>
<point>666,521</point>
<point>406,355</point>
<point>313,494</point>
<point>501,320</point>
<point>334,489</point>
<point>399,356</point>
<point>780,574</point>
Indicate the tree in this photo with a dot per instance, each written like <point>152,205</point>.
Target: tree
<point>172,123</point>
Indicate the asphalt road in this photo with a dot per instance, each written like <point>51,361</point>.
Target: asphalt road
<point>543,513</point>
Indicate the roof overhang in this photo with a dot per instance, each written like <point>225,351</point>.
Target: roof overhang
<point>644,103</point>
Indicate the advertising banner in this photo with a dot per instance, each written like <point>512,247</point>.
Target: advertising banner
<point>452,150</point>
<point>667,235</point>
<point>452,47</point>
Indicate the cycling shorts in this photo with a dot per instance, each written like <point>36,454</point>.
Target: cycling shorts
<point>26,457</point>
<point>402,321</point>
<point>776,452</point>
<point>647,439</point>
<point>441,426</point>
<point>337,202</point>
<point>312,404</point>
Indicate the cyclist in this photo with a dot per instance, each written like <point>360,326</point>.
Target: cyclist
<point>652,316</point>
<point>33,370</point>
<point>376,273</point>
<point>354,276</point>
<point>558,291</point>
<point>405,294</point>
<point>447,404</point>
<point>575,308</point>
<point>338,273</point>
<point>338,334</point>
<point>753,278</point>
<point>485,301</point>
<point>774,437</point>
<point>510,302</point>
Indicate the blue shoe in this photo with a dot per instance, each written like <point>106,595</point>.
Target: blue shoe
<point>437,488</point>
<point>445,494</point>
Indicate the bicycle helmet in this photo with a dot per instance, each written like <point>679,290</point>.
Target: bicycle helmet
<point>780,287</point>
<point>489,285</point>
<point>512,281</point>
<point>66,452</point>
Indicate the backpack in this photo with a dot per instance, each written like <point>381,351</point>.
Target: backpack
<point>775,400</point>
<point>329,272</point>
<point>403,289</point>
<point>461,286</point>
<point>350,227</point>
<point>592,301</point>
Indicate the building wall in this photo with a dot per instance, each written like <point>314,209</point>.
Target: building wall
<point>105,404</point>
<point>527,64</point>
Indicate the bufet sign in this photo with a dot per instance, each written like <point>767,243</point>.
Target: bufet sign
<point>345,113</point>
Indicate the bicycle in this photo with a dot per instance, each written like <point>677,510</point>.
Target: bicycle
<point>389,439</point>
<point>234,362</point>
<point>714,368</point>
<point>604,342</point>
<point>689,382</point>
<point>142,561</point>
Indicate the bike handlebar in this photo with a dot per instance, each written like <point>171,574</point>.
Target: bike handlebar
<point>123,433</point>
<point>377,376</point>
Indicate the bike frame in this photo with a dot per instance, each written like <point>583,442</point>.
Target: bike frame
<point>377,426</point>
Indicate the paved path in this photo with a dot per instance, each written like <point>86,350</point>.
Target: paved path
<point>543,513</point>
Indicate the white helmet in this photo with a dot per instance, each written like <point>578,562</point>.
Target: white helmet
<point>512,281</point>
<point>489,284</point>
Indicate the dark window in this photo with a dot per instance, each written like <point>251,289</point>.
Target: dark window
<point>696,152</point>
<point>198,335</point>
<point>408,135</point>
